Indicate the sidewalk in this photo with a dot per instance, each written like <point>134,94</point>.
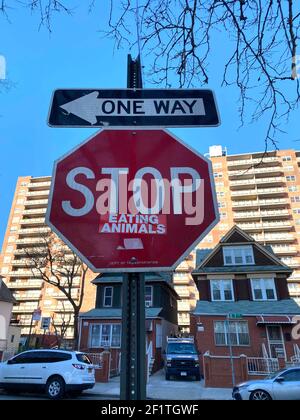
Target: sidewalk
<point>160,389</point>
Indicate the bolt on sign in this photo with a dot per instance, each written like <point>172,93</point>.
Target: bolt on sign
<point>132,200</point>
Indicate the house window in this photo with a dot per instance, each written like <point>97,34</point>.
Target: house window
<point>148,296</point>
<point>105,335</point>
<point>242,255</point>
<point>108,296</point>
<point>221,290</point>
<point>263,289</point>
<point>235,333</point>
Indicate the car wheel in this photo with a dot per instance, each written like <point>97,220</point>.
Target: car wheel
<point>55,388</point>
<point>260,395</point>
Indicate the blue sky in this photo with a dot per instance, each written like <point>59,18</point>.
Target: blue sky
<point>75,55</point>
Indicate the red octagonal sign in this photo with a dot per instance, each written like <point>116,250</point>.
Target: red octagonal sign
<point>129,200</point>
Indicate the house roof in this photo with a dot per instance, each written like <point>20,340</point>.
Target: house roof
<point>247,307</point>
<point>5,294</point>
<point>116,313</point>
<point>245,239</point>
<point>242,269</point>
<point>118,277</point>
<point>150,277</point>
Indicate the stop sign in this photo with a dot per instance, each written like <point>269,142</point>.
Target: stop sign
<point>130,201</point>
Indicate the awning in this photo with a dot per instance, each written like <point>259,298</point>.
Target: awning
<point>275,319</point>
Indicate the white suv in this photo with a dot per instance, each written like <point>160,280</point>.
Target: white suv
<point>53,371</point>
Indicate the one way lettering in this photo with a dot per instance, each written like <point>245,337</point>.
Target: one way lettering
<point>89,107</point>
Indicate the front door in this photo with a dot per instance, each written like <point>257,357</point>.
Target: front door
<point>276,341</point>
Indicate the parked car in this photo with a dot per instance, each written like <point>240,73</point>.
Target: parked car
<point>181,358</point>
<point>55,372</point>
<point>282,385</point>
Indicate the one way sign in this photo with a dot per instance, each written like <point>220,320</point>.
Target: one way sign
<point>133,107</point>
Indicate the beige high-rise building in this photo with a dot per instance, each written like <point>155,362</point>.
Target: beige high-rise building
<point>260,192</point>
<point>25,227</point>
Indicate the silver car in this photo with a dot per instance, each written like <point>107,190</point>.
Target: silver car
<point>282,385</point>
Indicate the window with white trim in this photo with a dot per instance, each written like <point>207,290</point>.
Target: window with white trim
<point>263,289</point>
<point>235,333</point>
<point>108,296</point>
<point>105,335</point>
<point>148,296</point>
<point>221,290</point>
<point>290,178</point>
<point>238,255</point>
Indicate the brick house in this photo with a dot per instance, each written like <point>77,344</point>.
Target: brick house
<point>243,288</point>
<point>100,328</point>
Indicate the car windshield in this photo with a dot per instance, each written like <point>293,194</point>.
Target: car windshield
<point>83,358</point>
<point>181,348</point>
<point>274,374</point>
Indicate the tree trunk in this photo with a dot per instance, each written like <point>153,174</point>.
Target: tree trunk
<point>76,329</point>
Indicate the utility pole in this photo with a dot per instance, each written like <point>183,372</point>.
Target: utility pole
<point>133,357</point>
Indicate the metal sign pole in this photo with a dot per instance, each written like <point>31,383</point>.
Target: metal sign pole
<point>133,357</point>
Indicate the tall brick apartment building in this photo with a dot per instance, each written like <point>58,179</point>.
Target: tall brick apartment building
<point>25,226</point>
<point>260,192</point>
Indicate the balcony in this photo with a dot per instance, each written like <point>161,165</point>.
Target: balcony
<point>31,241</point>
<point>253,162</point>
<point>287,237</point>
<point>183,306</point>
<point>33,221</point>
<point>27,297</point>
<point>44,184</point>
<point>24,273</point>
<point>35,203</point>
<point>42,193</point>
<point>24,309</point>
<point>31,251</point>
<point>183,293</point>
<point>255,171</point>
<point>271,226</point>
<point>30,284</point>
<point>244,193</point>
<point>22,263</point>
<point>260,214</point>
<point>289,250</point>
<point>33,231</point>
<point>35,211</point>
<point>257,181</point>
<point>260,203</point>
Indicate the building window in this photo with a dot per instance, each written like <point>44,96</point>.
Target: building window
<point>218,175</point>
<point>148,296</point>
<point>105,335</point>
<point>242,255</point>
<point>235,333</point>
<point>221,290</point>
<point>287,158</point>
<point>223,216</point>
<point>293,188</point>
<point>291,178</point>
<point>108,296</point>
<point>295,199</point>
<point>263,289</point>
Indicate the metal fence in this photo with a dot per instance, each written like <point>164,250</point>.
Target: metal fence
<point>96,359</point>
<point>262,366</point>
